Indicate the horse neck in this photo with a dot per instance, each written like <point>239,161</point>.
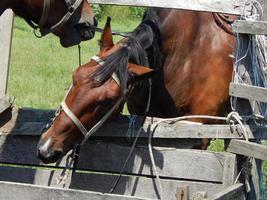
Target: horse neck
<point>181,28</point>
<point>27,9</point>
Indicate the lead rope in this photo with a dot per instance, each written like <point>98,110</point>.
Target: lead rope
<point>79,54</point>
<point>73,158</point>
<point>151,150</point>
<point>235,122</point>
<point>135,140</point>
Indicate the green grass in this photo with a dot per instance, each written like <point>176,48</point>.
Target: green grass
<point>41,70</point>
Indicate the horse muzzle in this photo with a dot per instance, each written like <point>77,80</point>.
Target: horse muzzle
<point>49,157</point>
<point>86,29</point>
<point>46,153</point>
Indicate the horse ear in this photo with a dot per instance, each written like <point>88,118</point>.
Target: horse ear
<point>106,37</point>
<point>139,72</point>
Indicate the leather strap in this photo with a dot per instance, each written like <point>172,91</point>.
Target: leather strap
<point>79,125</point>
<point>75,120</point>
<point>66,17</point>
<point>46,9</point>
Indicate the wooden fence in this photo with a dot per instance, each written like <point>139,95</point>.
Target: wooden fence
<point>204,173</point>
<point>186,174</point>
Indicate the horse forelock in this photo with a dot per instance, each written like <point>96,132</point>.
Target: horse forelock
<point>135,51</point>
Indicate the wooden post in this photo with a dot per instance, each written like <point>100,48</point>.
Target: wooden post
<point>6,24</point>
<point>182,193</point>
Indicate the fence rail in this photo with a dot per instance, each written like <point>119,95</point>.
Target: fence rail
<point>222,6</point>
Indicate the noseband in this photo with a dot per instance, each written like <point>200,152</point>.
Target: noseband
<point>72,6</point>
<point>77,122</point>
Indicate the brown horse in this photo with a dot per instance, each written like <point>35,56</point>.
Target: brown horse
<point>189,57</point>
<point>70,20</point>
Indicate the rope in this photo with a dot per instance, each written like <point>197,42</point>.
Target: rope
<point>150,145</point>
<point>62,178</point>
<point>256,51</point>
<point>79,55</point>
<point>255,74</point>
<point>126,161</point>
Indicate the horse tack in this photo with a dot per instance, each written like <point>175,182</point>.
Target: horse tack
<point>224,21</point>
<point>72,6</point>
<point>76,121</point>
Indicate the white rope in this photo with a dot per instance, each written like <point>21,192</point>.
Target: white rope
<point>233,118</point>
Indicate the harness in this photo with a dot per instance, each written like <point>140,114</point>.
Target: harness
<point>224,21</point>
<point>87,133</point>
<point>72,6</point>
<point>74,156</point>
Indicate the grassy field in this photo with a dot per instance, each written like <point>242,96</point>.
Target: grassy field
<point>41,70</point>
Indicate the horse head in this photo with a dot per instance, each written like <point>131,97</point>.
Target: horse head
<point>98,88</point>
<point>72,21</point>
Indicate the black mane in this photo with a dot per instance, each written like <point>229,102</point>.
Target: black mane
<point>142,48</point>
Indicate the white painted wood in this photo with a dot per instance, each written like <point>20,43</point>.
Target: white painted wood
<point>6,24</point>
<point>222,6</point>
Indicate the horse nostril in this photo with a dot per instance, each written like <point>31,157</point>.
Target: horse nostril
<point>49,157</point>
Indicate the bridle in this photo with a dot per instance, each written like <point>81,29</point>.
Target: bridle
<point>74,156</point>
<point>77,122</point>
<point>72,6</point>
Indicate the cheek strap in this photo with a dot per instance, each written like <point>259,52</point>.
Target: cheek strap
<point>80,126</point>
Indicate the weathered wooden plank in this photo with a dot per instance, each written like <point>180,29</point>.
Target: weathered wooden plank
<point>222,6</point>
<point>180,131</point>
<point>247,148</point>
<point>6,24</point>
<point>256,180</point>
<point>199,196</point>
<point>264,8</point>
<point>248,92</point>
<point>5,103</point>
<point>109,157</point>
<point>31,122</point>
<point>11,191</point>
<point>182,193</point>
<point>234,192</point>
<point>143,187</point>
<point>229,170</point>
<point>250,27</point>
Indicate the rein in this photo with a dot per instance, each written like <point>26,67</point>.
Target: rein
<point>72,6</point>
<point>86,133</point>
<point>101,30</point>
